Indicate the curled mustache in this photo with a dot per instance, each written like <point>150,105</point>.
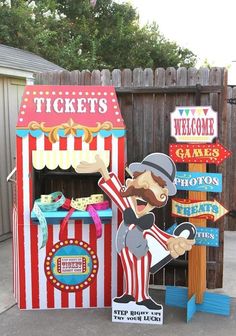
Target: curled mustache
<point>146,194</point>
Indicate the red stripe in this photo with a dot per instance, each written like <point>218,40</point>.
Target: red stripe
<point>65,295</point>
<point>22,301</point>
<point>63,143</point>
<point>124,265</point>
<point>121,176</point>
<point>50,288</point>
<point>33,233</point>
<point>78,235</point>
<point>93,286</point>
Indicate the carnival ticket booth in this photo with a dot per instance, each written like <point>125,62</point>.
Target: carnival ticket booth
<point>63,226</point>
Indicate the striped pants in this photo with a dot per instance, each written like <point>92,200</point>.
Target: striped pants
<point>136,274</point>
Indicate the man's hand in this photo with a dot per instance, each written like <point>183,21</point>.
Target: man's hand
<point>94,167</point>
<point>179,245</point>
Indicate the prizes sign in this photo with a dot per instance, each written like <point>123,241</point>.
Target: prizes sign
<point>194,124</point>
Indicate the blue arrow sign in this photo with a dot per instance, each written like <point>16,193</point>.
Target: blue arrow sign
<point>204,236</point>
<point>208,182</point>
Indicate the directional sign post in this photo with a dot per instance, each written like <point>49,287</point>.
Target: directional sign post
<point>194,129</point>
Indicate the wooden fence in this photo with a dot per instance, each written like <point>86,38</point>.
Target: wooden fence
<point>146,99</point>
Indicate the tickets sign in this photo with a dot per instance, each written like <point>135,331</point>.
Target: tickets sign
<point>206,182</point>
<point>204,236</point>
<point>194,124</point>
<point>212,210</point>
<point>199,153</point>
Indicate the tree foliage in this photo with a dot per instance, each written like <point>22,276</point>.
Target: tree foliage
<point>76,35</point>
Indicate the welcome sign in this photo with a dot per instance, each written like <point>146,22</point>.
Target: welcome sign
<point>194,124</point>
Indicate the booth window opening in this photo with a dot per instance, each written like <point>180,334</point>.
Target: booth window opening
<point>70,183</point>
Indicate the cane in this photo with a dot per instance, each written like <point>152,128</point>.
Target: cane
<point>186,230</point>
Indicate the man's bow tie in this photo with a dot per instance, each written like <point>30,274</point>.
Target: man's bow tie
<point>143,223</point>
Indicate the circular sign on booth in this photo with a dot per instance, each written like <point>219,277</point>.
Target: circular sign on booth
<point>71,265</point>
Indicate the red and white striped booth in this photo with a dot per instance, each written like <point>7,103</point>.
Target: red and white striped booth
<point>58,126</point>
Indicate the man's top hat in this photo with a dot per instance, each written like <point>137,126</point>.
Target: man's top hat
<point>160,165</point>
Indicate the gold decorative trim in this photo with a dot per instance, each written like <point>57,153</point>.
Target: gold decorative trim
<point>70,128</point>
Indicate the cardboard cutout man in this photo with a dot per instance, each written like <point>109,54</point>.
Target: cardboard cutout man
<point>152,183</point>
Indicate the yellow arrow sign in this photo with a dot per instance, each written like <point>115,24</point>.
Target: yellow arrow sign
<point>212,210</point>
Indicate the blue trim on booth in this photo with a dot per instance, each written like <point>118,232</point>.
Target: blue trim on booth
<point>212,303</point>
<point>54,217</point>
<point>79,133</point>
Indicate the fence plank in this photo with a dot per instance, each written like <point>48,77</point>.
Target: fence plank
<point>96,77</point>
<point>116,77</point>
<point>105,77</point>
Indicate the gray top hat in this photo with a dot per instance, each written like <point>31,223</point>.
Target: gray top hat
<point>160,165</point>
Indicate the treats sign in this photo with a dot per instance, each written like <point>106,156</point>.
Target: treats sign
<point>194,124</point>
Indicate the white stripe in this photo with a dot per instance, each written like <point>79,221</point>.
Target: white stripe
<point>26,222</point>
<point>114,169</point>
<point>71,234</point>
<point>100,247</point>
<point>146,276</point>
<point>70,142</point>
<point>86,291</point>
<point>42,252</point>
<point>139,272</point>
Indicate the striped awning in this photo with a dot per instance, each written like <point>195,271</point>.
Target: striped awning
<point>66,158</point>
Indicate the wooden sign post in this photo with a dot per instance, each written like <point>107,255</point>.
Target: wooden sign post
<point>197,127</point>
<point>197,257</point>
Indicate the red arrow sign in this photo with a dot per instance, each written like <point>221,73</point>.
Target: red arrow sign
<point>199,153</point>
<point>212,210</point>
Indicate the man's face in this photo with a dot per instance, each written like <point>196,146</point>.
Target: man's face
<point>146,191</point>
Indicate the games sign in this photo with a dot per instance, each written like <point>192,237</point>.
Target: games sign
<point>213,153</point>
<point>194,124</point>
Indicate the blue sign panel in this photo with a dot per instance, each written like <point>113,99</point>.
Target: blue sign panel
<point>205,236</point>
<point>208,182</point>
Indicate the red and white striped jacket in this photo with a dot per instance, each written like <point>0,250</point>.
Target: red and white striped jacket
<point>112,188</point>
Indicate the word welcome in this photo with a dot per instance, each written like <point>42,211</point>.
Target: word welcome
<point>194,126</point>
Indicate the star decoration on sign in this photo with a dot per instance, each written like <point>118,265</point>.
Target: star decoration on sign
<point>70,127</point>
